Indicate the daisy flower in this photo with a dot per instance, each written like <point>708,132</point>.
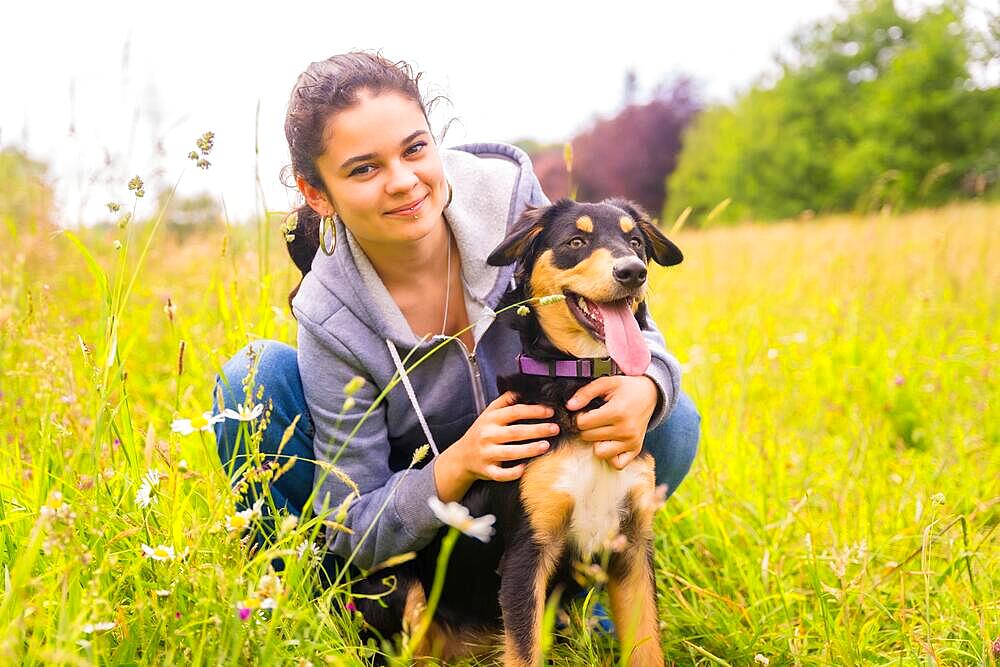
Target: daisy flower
<point>161,552</point>
<point>307,546</point>
<point>241,520</point>
<point>457,516</point>
<point>144,496</point>
<point>243,413</point>
<point>203,423</point>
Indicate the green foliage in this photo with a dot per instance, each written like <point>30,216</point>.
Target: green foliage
<point>874,110</point>
<point>843,389</point>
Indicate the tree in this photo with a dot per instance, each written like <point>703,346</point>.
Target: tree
<point>628,155</point>
<point>873,110</point>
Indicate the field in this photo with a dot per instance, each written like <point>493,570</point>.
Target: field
<point>843,508</point>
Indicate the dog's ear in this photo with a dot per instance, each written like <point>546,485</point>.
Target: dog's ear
<point>522,234</point>
<point>661,249</point>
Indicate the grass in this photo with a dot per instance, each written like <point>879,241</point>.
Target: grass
<point>843,508</point>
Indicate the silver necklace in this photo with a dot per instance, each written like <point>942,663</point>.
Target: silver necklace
<point>447,292</point>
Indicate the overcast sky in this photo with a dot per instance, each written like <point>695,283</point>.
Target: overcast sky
<point>94,88</point>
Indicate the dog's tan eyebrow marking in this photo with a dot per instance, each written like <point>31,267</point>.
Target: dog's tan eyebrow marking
<point>626,223</point>
<point>585,224</point>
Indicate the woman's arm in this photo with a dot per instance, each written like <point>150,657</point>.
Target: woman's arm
<point>407,522</point>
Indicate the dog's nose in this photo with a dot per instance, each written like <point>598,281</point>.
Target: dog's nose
<point>630,271</point>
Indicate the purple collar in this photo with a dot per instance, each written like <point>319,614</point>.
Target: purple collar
<point>568,368</point>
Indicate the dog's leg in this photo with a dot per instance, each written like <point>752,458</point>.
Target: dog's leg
<point>527,569</point>
<point>633,607</point>
<point>436,642</point>
<point>531,558</point>
<point>631,585</point>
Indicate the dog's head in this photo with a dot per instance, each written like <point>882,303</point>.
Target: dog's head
<point>596,256</point>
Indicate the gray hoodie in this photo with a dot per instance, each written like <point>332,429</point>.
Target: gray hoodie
<point>350,326</point>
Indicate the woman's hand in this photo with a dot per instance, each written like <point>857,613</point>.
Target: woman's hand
<point>618,427</point>
<point>479,453</point>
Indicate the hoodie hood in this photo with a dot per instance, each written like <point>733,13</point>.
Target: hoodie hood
<point>491,177</point>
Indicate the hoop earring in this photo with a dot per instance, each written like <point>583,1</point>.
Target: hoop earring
<point>324,222</point>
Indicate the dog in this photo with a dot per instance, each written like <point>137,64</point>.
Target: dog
<point>568,504</point>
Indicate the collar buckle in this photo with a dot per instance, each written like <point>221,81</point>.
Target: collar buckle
<point>602,367</point>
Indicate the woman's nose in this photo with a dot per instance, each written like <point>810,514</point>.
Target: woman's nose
<point>401,179</point>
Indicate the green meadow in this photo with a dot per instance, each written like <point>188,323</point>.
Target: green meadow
<point>843,508</point>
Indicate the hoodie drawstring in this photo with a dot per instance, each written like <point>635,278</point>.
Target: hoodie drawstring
<point>409,392</point>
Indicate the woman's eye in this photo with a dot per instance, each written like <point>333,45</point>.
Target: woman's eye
<point>576,242</point>
<point>416,148</point>
<point>362,170</point>
<point>636,242</point>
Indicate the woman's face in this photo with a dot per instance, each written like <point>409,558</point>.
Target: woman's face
<point>382,170</point>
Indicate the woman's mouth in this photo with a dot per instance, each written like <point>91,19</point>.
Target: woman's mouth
<point>408,209</point>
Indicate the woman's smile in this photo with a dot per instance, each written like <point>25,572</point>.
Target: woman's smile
<point>408,209</point>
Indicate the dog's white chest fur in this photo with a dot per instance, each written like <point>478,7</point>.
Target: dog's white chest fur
<point>599,493</point>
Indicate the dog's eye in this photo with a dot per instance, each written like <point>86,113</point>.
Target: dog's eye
<point>576,242</point>
<point>636,242</point>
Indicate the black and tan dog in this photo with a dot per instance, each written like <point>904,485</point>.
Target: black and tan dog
<point>568,506</point>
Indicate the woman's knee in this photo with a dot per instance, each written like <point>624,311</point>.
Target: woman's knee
<point>674,443</point>
<point>277,385</point>
<point>276,371</point>
<point>276,366</point>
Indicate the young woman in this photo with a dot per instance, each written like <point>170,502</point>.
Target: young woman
<point>392,242</point>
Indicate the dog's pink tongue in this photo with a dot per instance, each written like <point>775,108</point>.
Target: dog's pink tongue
<point>623,338</point>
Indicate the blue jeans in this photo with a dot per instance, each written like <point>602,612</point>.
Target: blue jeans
<point>673,443</point>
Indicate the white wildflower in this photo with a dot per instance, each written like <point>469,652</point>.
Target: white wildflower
<point>152,477</point>
<point>269,588</point>
<point>161,552</point>
<point>243,413</point>
<point>144,496</point>
<point>308,547</point>
<point>103,626</point>
<point>203,423</point>
<point>240,521</point>
<point>458,516</point>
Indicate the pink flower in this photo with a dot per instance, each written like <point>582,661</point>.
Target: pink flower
<point>244,613</point>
